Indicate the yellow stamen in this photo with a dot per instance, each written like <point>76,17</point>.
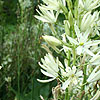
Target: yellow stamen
<point>81,44</point>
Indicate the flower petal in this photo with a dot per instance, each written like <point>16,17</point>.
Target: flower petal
<point>45,81</point>
<point>46,73</point>
<point>88,52</point>
<point>72,41</point>
<point>92,43</point>
<point>79,50</point>
<point>66,83</point>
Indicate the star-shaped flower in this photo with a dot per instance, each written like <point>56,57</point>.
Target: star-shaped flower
<point>73,77</point>
<point>49,67</point>
<point>83,43</point>
<point>95,75</point>
<point>89,4</point>
<point>47,15</point>
<point>54,4</point>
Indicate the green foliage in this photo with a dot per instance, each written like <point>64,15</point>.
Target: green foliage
<point>20,51</point>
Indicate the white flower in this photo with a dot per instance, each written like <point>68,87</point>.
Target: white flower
<point>0,67</point>
<point>89,4</point>
<point>97,27</point>
<point>82,41</point>
<point>95,59</point>
<point>54,4</point>
<point>49,67</point>
<point>47,15</point>
<point>95,48</point>
<point>89,20</point>
<point>95,75</point>
<point>96,96</point>
<point>8,79</point>
<point>72,76</point>
<point>65,48</point>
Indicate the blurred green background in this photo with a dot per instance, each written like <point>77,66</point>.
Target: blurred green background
<point>20,51</point>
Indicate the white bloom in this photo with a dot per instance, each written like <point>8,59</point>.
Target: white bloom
<point>97,27</point>
<point>89,20</point>
<point>47,15</point>
<point>72,76</point>
<point>89,4</point>
<point>8,79</point>
<point>49,67</point>
<point>95,75</point>
<point>95,48</point>
<point>54,4</point>
<point>82,41</point>
<point>0,67</point>
<point>98,24</point>
<point>96,96</point>
<point>65,48</point>
<point>95,59</point>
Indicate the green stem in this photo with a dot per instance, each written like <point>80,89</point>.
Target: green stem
<point>74,56</point>
<point>65,11</point>
<point>69,56</point>
<point>18,72</point>
<point>53,30</point>
<point>66,95</point>
<point>66,44</point>
<point>12,90</point>
<point>84,80</point>
<point>74,47</point>
<point>32,88</point>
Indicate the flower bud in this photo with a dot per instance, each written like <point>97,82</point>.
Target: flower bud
<point>51,40</point>
<point>96,96</point>
<point>70,18</point>
<point>67,27</point>
<point>69,3</point>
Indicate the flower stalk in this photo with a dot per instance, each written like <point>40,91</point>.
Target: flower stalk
<point>78,68</point>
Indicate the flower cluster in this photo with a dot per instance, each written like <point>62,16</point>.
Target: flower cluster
<point>78,47</point>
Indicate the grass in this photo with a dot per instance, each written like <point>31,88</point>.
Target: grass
<point>20,52</point>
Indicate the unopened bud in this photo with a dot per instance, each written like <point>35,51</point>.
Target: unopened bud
<point>69,3</point>
<point>51,40</point>
<point>67,27</point>
<point>70,18</point>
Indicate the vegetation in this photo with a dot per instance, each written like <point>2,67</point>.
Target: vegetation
<point>20,51</point>
<point>76,65</point>
<point>24,40</point>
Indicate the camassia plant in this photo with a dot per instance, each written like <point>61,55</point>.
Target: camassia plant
<point>79,72</point>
